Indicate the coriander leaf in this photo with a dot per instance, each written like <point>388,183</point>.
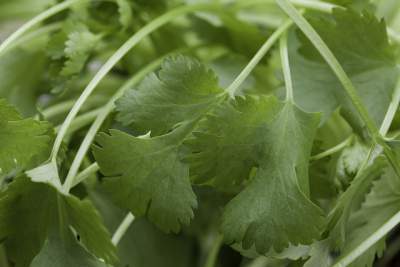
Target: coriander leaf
<point>58,252</point>
<point>28,211</point>
<point>183,90</point>
<point>21,140</point>
<point>360,43</point>
<point>273,211</point>
<point>229,143</point>
<point>146,176</point>
<point>77,51</point>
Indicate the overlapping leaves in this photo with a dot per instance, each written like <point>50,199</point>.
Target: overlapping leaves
<point>230,139</point>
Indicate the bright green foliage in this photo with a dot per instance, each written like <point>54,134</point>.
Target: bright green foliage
<point>360,43</point>
<point>183,90</point>
<point>27,214</point>
<point>21,140</point>
<point>270,211</point>
<point>152,180</point>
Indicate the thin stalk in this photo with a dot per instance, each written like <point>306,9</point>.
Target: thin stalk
<point>92,169</point>
<point>32,35</point>
<point>333,150</point>
<point>122,228</point>
<point>391,112</point>
<point>233,87</point>
<point>81,120</point>
<point>101,116</point>
<point>117,56</point>
<point>286,68</point>
<point>213,254</point>
<point>65,106</point>
<point>309,4</point>
<point>370,241</point>
<point>35,21</point>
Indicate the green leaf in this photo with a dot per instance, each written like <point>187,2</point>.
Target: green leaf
<point>78,48</point>
<point>28,211</point>
<point>22,141</point>
<point>183,90</point>
<point>360,43</point>
<point>57,252</point>
<point>270,212</point>
<point>146,176</point>
<point>229,143</point>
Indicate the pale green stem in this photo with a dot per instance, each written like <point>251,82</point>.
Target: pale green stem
<point>57,109</point>
<point>332,150</point>
<point>122,228</point>
<point>81,120</point>
<point>309,4</point>
<point>102,115</point>
<point>116,57</point>
<point>32,35</point>
<point>391,112</point>
<point>214,251</point>
<point>394,35</point>
<point>233,87</point>
<point>370,241</point>
<point>83,175</point>
<point>286,68</point>
<point>63,107</point>
<point>35,21</point>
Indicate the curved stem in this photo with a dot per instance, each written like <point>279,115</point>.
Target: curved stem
<point>370,241</point>
<point>39,32</point>
<point>286,68</point>
<point>333,150</point>
<point>234,86</point>
<point>121,52</point>
<point>92,169</point>
<point>122,228</point>
<point>391,112</point>
<point>36,20</point>
<point>213,254</point>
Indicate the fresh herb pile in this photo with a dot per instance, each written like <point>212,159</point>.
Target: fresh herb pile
<point>149,133</point>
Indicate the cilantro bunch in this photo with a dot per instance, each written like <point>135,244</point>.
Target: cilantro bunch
<point>199,133</point>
